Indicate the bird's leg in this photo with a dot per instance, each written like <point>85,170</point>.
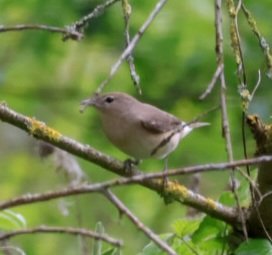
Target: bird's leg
<point>129,163</point>
<point>165,170</point>
<point>167,199</point>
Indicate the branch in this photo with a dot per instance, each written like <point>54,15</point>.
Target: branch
<point>130,47</point>
<point>223,98</point>
<point>42,132</point>
<point>212,83</point>
<point>80,25</point>
<point>262,41</point>
<point>67,32</point>
<point>173,190</point>
<point>130,59</point>
<point>62,230</point>
<point>220,61</point>
<point>148,232</point>
<point>222,211</point>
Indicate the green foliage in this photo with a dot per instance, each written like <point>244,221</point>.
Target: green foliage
<point>254,246</point>
<point>153,249</point>
<point>9,220</point>
<point>44,77</point>
<point>113,251</point>
<point>205,236</point>
<point>97,247</point>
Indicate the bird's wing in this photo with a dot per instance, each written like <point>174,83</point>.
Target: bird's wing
<point>164,123</point>
<point>153,126</point>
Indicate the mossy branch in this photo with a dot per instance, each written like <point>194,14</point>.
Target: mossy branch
<point>173,190</point>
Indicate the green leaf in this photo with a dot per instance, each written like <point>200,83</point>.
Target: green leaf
<point>97,248</point>
<point>213,246</point>
<point>185,246</point>
<point>208,229</point>
<point>153,249</point>
<point>112,251</point>
<point>244,188</point>
<point>209,237</point>
<point>227,198</point>
<point>254,246</point>
<point>9,220</point>
<point>184,227</point>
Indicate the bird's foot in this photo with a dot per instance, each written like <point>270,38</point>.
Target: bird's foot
<point>167,198</point>
<point>164,184</point>
<point>163,190</point>
<point>129,165</point>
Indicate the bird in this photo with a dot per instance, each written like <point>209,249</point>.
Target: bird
<point>139,129</point>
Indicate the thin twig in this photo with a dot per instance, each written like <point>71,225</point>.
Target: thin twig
<point>262,41</point>
<point>71,33</point>
<point>252,183</point>
<point>98,187</point>
<point>134,76</point>
<point>129,49</point>
<point>148,232</point>
<point>63,230</point>
<point>81,24</point>
<point>225,121</point>
<point>257,84</point>
<point>211,85</point>
<point>264,227</point>
<point>241,70</point>
<point>220,61</point>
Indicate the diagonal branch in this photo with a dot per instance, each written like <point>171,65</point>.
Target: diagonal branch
<point>217,210</point>
<point>141,226</point>
<point>130,47</point>
<point>173,190</point>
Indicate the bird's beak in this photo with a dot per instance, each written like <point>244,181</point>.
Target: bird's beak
<point>91,101</point>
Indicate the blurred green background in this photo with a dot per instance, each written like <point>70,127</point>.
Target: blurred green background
<point>44,77</point>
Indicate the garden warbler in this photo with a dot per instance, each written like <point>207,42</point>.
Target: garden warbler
<point>138,129</point>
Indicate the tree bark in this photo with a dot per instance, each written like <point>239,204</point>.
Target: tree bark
<point>260,212</point>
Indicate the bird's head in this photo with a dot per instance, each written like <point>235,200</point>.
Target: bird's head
<point>113,102</point>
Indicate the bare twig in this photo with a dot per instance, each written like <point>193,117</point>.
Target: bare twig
<point>81,24</point>
<point>252,182</point>
<point>219,211</point>
<point>67,32</point>
<point>98,187</point>
<point>62,230</point>
<point>225,121</point>
<point>236,41</point>
<point>220,61</point>
<point>148,232</point>
<point>129,49</point>
<point>134,76</point>
<point>262,41</point>
<point>211,85</point>
<point>257,84</point>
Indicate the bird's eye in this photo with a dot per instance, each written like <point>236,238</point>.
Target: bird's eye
<point>109,99</point>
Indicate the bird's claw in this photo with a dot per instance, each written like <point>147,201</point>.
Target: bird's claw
<point>129,164</point>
